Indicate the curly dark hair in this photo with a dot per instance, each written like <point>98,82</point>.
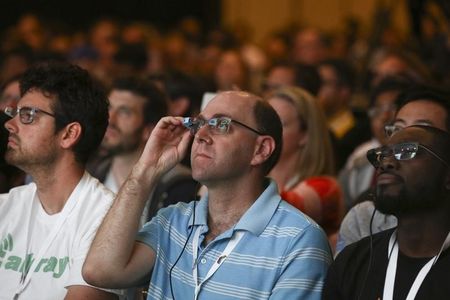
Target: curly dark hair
<point>77,97</point>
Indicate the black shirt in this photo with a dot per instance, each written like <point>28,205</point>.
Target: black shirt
<point>349,277</point>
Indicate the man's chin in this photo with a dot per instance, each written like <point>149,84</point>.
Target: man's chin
<point>387,203</point>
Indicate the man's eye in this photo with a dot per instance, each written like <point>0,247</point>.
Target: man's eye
<point>124,111</point>
<point>223,124</point>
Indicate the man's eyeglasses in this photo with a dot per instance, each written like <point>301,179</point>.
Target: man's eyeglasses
<point>26,114</point>
<point>402,151</point>
<point>220,125</point>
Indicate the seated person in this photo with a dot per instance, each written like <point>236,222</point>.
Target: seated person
<point>304,172</point>
<point>410,261</point>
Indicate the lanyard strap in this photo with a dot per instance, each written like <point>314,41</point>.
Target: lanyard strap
<point>388,292</point>
<point>232,243</point>
<point>28,272</point>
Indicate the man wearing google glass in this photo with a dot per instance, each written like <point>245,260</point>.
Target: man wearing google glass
<point>412,260</point>
<point>239,241</point>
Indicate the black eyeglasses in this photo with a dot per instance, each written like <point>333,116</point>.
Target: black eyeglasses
<point>26,113</point>
<point>220,125</point>
<point>402,151</point>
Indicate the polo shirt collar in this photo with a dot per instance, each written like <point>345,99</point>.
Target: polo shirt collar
<point>255,219</point>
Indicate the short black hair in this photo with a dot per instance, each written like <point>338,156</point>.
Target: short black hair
<point>429,93</point>
<point>77,97</point>
<point>269,123</point>
<point>389,84</point>
<point>155,106</point>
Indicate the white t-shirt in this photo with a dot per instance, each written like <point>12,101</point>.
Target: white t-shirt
<point>25,228</point>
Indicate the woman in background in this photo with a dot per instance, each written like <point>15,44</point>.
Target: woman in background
<point>304,172</point>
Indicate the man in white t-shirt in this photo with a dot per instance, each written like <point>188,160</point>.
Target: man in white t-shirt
<point>47,226</point>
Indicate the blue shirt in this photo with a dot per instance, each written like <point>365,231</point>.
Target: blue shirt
<point>283,254</point>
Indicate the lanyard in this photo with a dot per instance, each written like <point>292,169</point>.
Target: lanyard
<point>68,207</point>
<point>232,243</point>
<point>392,269</point>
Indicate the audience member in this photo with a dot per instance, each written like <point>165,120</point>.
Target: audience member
<point>358,174</point>
<point>10,176</point>
<point>389,62</point>
<point>305,168</point>
<point>47,226</point>
<point>349,127</point>
<point>231,73</point>
<point>136,105</point>
<point>309,47</point>
<point>285,74</point>
<point>410,261</point>
<point>246,242</point>
<point>10,92</point>
<point>417,106</point>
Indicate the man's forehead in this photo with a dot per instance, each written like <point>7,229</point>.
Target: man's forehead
<point>232,104</point>
<point>424,112</point>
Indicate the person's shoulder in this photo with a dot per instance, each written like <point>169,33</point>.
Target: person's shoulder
<point>177,210</point>
<point>289,216</point>
<point>22,192</point>
<point>358,157</point>
<point>93,197</point>
<point>16,201</point>
<point>97,188</point>
<point>363,209</point>
<point>364,246</point>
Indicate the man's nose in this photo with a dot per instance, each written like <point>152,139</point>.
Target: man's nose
<point>388,162</point>
<point>203,134</point>
<point>11,124</point>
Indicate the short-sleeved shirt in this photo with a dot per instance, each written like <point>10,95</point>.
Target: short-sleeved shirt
<point>25,227</point>
<point>283,254</point>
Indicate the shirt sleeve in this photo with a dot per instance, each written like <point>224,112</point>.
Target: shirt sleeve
<point>77,260</point>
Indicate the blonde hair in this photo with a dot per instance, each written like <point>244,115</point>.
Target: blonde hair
<point>317,154</point>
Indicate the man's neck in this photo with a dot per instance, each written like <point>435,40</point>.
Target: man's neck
<point>122,164</point>
<point>422,235</point>
<point>55,186</point>
<point>227,205</point>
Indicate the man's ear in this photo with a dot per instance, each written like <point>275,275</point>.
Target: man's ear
<point>265,145</point>
<point>70,135</point>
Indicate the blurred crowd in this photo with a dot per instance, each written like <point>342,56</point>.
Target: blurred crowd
<point>353,76</point>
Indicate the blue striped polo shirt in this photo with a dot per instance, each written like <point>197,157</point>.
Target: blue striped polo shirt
<point>283,254</point>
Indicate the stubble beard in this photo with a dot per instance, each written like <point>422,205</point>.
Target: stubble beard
<point>426,198</point>
<point>29,162</point>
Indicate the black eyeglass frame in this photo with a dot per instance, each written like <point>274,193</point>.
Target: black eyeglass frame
<point>12,112</point>
<point>376,155</point>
